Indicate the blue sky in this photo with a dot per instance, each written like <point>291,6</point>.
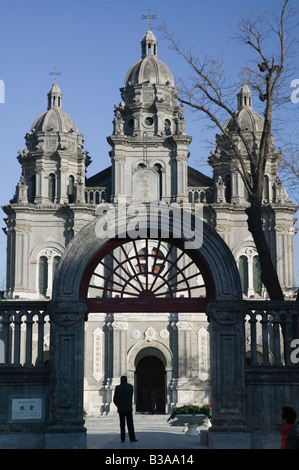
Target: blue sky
<point>93,44</point>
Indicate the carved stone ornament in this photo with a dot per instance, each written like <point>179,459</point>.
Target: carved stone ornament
<point>225,312</point>
<point>164,334</point>
<point>135,334</point>
<point>67,313</point>
<point>184,325</point>
<point>120,325</point>
<point>150,334</point>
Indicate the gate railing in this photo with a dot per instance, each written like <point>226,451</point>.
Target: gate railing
<point>24,333</point>
<point>270,331</point>
<point>96,195</point>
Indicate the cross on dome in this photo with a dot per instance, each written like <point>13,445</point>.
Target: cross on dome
<point>55,73</point>
<point>149,17</point>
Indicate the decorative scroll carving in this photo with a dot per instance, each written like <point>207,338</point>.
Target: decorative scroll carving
<point>225,312</point>
<point>67,313</point>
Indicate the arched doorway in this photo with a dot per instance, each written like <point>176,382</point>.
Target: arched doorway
<point>150,383</point>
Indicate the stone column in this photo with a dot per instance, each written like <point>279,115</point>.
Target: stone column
<point>65,428</point>
<point>227,339</point>
<point>62,188</point>
<point>119,177</point>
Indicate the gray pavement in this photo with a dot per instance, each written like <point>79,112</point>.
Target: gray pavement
<point>152,432</point>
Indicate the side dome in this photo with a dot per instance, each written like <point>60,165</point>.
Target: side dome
<point>149,69</point>
<point>54,119</point>
<point>248,119</point>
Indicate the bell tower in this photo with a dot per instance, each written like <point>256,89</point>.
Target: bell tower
<point>53,162</point>
<point>149,144</point>
<point>49,204</point>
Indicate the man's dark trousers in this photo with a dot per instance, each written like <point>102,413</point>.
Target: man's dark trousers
<point>123,417</point>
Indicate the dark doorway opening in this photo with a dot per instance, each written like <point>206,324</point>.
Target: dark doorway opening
<point>150,372</point>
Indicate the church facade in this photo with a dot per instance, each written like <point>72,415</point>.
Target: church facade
<point>165,351</point>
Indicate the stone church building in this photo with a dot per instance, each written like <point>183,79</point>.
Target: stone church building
<point>164,349</point>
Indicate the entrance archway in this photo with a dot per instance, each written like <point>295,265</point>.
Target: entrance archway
<point>150,383</point>
<point>87,248</point>
<point>71,304</point>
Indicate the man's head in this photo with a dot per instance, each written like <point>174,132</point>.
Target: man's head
<point>288,415</point>
<point>123,379</point>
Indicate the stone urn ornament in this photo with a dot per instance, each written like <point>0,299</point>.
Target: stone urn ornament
<point>192,416</point>
<point>191,422</point>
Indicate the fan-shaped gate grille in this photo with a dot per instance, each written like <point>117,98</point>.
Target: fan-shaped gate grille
<point>146,269</point>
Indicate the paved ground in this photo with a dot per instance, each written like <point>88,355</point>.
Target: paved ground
<point>152,432</point>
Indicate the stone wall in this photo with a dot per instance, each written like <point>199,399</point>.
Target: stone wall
<point>267,391</point>
<point>24,398</point>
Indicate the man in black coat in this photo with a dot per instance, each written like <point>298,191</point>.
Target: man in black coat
<point>123,400</point>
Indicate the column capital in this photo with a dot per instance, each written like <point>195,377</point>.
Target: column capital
<point>67,313</point>
<point>226,312</point>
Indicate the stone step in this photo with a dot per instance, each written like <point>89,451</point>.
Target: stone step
<point>146,418</point>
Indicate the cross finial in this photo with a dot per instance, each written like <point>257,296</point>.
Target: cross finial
<point>55,73</point>
<point>149,17</point>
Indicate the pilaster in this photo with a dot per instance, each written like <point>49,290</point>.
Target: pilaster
<point>66,375</point>
<point>227,375</point>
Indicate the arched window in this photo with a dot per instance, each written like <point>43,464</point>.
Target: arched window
<point>243,269</point>
<point>51,187</point>
<point>266,188</point>
<point>56,260</point>
<point>158,168</point>
<point>256,274</point>
<point>228,188</point>
<point>32,189</point>
<point>71,189</point>
<point>250,272</point>
<point>47,265</point>
<point>43,275</point>
<point>167,127</point>
<point>140,166</point>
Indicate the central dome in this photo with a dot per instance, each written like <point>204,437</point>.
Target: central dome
<point>149,69</point>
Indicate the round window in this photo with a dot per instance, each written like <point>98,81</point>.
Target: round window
<point>149,121</point>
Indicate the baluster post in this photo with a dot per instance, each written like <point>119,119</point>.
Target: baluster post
<point>17,338</point>
<point>253,342</point>
<point>265,338</point>
<point>28,348</point>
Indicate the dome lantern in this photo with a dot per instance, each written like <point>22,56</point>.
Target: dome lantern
<point>244,97</point>
<point>149,45</point>
<point>54,97</point>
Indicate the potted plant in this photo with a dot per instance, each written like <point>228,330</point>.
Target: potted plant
<point>191,415</point>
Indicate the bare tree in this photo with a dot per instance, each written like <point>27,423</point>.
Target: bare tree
<point>289,169</point>
<point>209,90</point>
